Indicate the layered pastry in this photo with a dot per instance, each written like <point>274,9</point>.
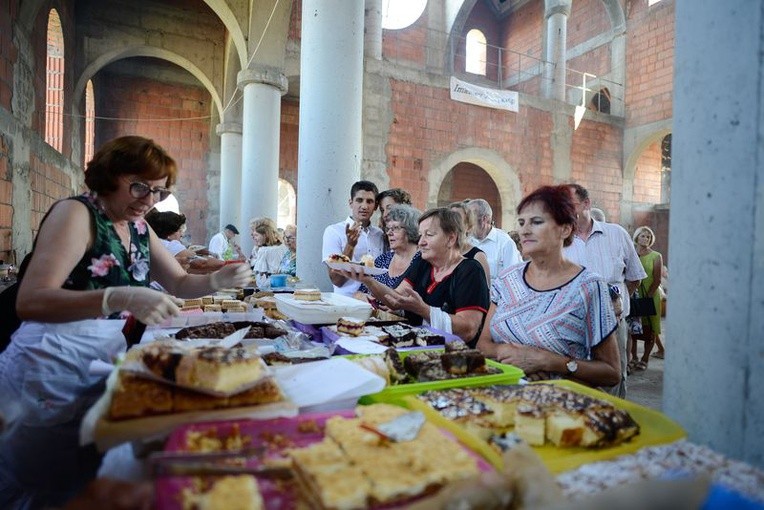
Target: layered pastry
<point>307,295</point>
<point>212,368</point>
<point>136,397</point>
<point>399,335</point>
<point>207,300</point>
<point>234,492</point>
<point>192,303</point>
<point>354,467</point>
<point>367,260</point>
<point>539,413</point>
<point>218,369</point>
<point>233,305</point>
<point>426,338</point>
<point>351,326</point>
<point>212,330</point>
<point>213,308</point>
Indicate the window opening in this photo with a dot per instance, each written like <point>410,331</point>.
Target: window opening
<point>601,101</point>
<point>397,14</point>
<point>476,52</point>
<point>54,83</point>
<point>287,207</point>
<point>89,123</point>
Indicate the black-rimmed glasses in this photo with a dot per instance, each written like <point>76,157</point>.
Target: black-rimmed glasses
<point>142,190</point>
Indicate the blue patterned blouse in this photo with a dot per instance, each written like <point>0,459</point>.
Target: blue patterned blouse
<point>383,261</point>
<point>569,320</point>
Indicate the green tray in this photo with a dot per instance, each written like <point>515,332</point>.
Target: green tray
<point>510,374</point>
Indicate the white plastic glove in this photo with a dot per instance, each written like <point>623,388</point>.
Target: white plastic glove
<point>231,275</point>
<point>149,306</point>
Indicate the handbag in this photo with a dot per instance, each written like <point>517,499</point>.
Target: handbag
<point>641,306</point>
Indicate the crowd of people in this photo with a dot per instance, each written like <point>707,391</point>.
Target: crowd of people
<point>551,297</point>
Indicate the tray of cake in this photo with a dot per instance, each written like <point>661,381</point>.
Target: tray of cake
<point>165,383</point>
<point>311,306</point>
<point>342,459</point>
<point>352,336</point>
<point>412,372</point>
<point>568,424</point>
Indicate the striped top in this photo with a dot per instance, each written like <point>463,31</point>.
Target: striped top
<point>609,252</point>
<point>569,320</point>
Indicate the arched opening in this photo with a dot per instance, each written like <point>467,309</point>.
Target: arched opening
<point>54,83</point>
<point>476,52</point>
<point>89,123</point>
<point>467,180</point>
<point>287,208</point>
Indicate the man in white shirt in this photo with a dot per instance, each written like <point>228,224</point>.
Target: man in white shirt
<point>222,245</point>
<point>606,249</point>
<point>354,237</point>
<point>499,248</point>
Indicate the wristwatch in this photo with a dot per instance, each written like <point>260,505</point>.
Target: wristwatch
<point>571,365</point>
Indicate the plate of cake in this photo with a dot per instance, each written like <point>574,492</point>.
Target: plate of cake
<point>344,263</point>
<point>337,460</point>
<point>568,424</point>
<point>321,308</point>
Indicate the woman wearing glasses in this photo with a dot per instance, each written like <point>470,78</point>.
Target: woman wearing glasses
<point>288,264</point>
<point>402,231</point>
<point>94,257</point>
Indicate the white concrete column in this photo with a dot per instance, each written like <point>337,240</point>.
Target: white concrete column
<point>261,125</point>
<point>715,340</point>
<point>230,174</point>
<point>372,43</point>
<point>329,155</point>
<point>556,14</point>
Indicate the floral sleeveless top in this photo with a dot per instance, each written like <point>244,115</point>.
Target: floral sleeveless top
<point>107,263</point>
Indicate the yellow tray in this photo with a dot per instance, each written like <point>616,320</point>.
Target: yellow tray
<point>655,428</point>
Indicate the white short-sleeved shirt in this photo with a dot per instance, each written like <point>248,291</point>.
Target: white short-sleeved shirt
<point>174,246</point>
<point>269,258</point>
<point>218,245</point>
<point>500,250</point>
<point>370,242</point>
<point>609,252</point>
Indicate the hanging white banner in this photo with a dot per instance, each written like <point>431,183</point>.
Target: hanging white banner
<point>481,96</point>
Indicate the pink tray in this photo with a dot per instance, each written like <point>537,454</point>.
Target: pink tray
<point>277,494</point>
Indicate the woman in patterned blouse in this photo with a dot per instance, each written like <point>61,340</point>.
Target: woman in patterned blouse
<point>549,316</point>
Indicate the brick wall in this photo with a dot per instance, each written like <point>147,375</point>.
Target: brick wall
<point>588,19</point>
<point>647,177</point>
<point>471,181</point>
<point>649,62</point>
<point>187,141</point>
<point>406,46</point>
<point>8,54</point>
<point>428,126</point>
<point>596,155</point>
<point>49,184</point>
<point>290,118</point>
<point>295,21</point>
<point>522,36</point>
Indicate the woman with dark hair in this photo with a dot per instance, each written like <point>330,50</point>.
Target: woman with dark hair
<point>169,227</point>
<point>442,288</point>
<point>470,251</point>
<point>387,199</point>
<point>94,257</point>
<point>403,234</point>
<point>551,317</point>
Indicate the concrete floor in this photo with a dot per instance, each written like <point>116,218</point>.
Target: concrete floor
<point>646,388</point>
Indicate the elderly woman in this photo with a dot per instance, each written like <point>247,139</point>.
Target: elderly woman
<point>94,257</point>
<point>471,252</point>
<point>387,199</point>
<point>551,317</point>
<point>288,264</point>
<point>270,250</point>
<point>403,234</point>
<point>442,288</point>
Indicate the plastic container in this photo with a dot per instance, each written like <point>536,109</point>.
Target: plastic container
<point>327,311</point>
<point>510,374</point>
<point>278,280</point>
